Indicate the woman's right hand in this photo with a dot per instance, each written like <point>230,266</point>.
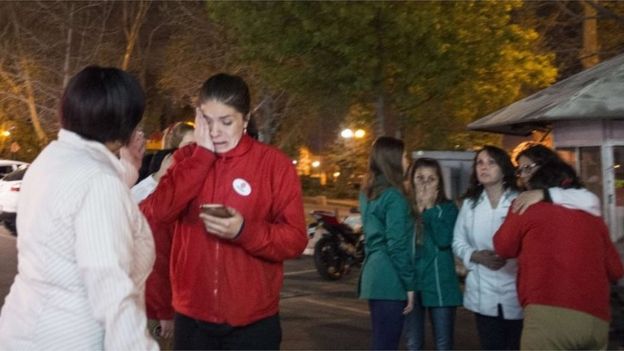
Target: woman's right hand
<point>166,328</point>
<point>202,131</point>
<point>488,258</point>
<point>425,197</point>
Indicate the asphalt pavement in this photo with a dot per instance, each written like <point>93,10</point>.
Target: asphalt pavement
<point>327,315</point>
<point>8,265</point>
<point>316,314</point>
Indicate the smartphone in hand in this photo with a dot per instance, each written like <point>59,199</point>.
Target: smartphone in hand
<point>216,210</point>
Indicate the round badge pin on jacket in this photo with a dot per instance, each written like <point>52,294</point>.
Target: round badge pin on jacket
<point>241,186</point>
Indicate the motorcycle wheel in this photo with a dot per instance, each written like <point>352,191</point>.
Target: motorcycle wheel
<point>327,259</point>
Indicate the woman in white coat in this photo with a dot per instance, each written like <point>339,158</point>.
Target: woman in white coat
<point>84,248</point>
<point>490,290</point>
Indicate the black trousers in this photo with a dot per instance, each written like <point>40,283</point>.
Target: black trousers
<point>498,333</point>
<point>192,334</point>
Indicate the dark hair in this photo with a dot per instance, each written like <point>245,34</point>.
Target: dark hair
<point>385,161</point>
<point>175,134</point>
<point>503,161</point>
<point>425,162</point>
<point>555,173</point>
<point>103,104</point>
<point>232,91</point>
<point>539,154</point>
<point>227,89</point>
<point>252,128</point>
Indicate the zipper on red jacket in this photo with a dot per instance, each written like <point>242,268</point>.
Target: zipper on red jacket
<point>215,290</point>
<point>215,287</point>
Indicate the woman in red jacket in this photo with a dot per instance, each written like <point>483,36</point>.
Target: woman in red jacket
<point>226,272</point>
<point>566,263</point>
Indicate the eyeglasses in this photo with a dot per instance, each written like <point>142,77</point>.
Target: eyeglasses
<point>526,169</point>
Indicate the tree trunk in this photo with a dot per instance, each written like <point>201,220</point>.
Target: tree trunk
<point>132,32</point>
<point>32,106</point>
<point>380,126</point>
<point>589,53</point>
<point>267,129</point>
<point>379,79</point>
<point>68,45</point>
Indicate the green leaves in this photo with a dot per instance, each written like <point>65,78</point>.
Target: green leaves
<point>435,65</point>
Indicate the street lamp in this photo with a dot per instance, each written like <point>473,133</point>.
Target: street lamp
<point>348,133</point>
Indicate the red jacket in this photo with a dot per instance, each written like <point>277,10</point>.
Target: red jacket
<point>158,284</point>
<point>221,281</point>
<point>565,258</point>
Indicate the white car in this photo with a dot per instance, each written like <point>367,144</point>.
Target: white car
<point>10,186</point>
<point>8,166</point>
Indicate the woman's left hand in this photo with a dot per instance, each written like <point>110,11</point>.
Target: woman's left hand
<point>226,228</point>
<point>526,199</point>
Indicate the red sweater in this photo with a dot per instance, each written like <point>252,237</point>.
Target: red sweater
<point>229,281</point>
<point>565,258</point>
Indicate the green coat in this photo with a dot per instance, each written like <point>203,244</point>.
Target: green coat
<point>436,279</point>
<point>388,272</point>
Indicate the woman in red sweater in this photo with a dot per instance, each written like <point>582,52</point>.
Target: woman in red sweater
<point>566,264</point>
<point>227,268</point>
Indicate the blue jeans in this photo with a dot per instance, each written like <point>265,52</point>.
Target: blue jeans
<point>442,322</point>
<point>387,323</point>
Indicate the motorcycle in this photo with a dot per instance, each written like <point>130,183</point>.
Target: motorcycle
<point>340,245</point>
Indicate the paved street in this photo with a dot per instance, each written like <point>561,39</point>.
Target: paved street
<point>316,314</point>
<point>8,267</point>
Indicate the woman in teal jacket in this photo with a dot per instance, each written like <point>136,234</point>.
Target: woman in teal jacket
<point>437,286</point>
<point>387,278</point>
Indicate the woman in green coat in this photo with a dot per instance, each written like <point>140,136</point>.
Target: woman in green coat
<point>437,286</point>
<point>387,278</point>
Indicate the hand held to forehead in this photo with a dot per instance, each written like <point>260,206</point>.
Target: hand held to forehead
<point>202,131</point>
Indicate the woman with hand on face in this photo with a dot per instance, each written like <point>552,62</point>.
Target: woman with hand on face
<point>226,273</point>
<point>437,285</point>
<point>387,278</point>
